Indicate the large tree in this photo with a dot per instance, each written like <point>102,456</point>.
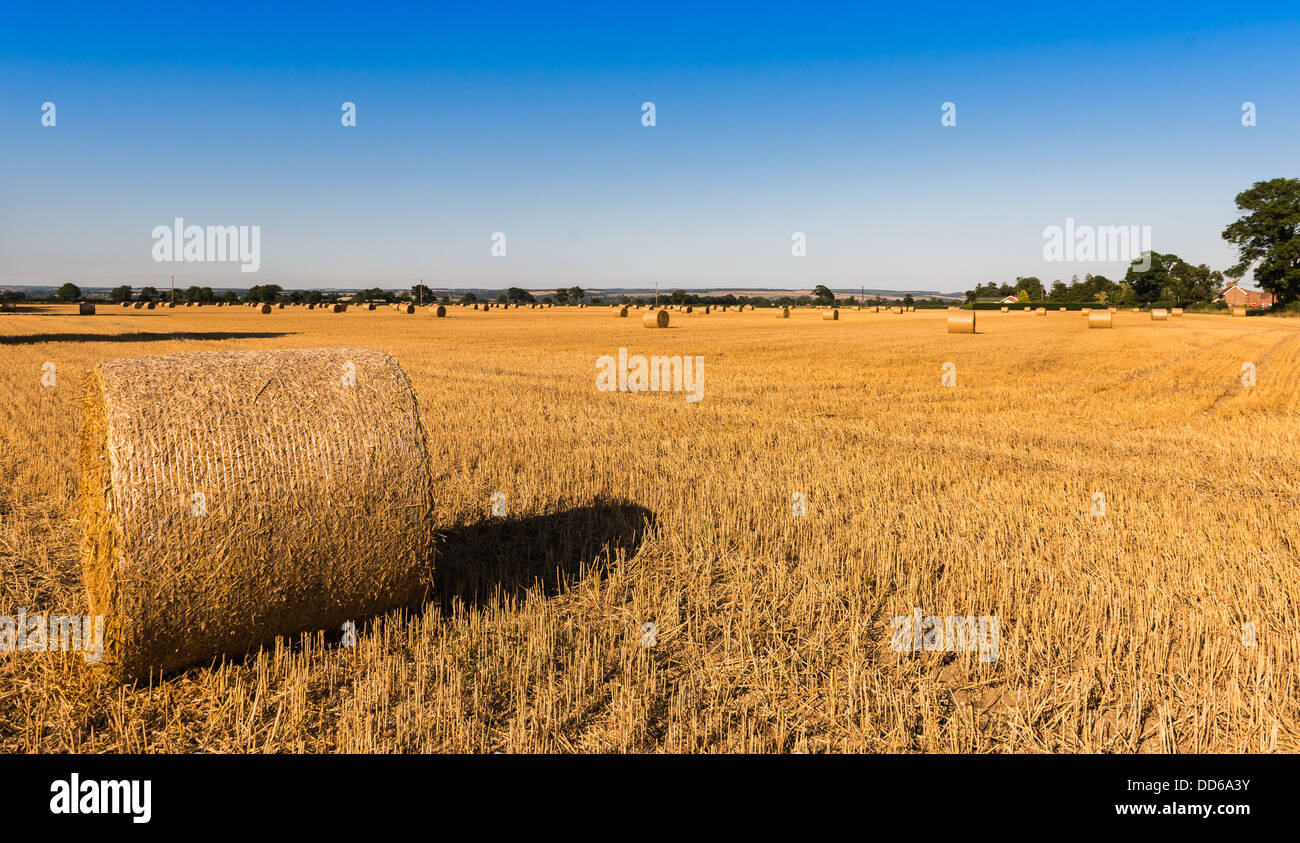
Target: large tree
<point>69,292</point>
<point>823,295</point>
<point>1156,281</point>
<point>1267,236</point>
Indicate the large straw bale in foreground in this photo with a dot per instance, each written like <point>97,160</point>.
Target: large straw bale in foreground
<point>961,321</point>
<point>655,319</point>
<point>230,497</point>
<point>1101,319</point>
<point>831,315</point>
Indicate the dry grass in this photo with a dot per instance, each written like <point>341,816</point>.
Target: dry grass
<point>1121,633</point>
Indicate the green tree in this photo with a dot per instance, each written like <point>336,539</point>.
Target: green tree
<point>69,292</point>
<point>908,301</point>
<point>1267,236</point>
<point>149,294</point>
<point>1156,281</point>
<point>421,293</point>
<point>576,295</point>
<point>678,297</point>
<point>823,295</point>
<point>122,293</point>
<point>1022,296</point>
<point>516,295</point>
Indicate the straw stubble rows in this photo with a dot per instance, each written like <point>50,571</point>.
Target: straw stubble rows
<point>1118,633</point>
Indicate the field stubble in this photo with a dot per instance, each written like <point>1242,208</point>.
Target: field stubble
<point>1120,633</point>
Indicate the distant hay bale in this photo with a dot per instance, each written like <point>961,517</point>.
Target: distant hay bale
<point>831,315</point>
<point>707,309</point>
<point>264,309</point>
<point>405,307</point>
<point>783,313</point>
<point>622,312</point>
<point>690,308</point>
<point>85,308</point>
<point>1137,310</point>
<point>1085,310</point>
<point>476,307</point>
<point>1062,310</point>
<point>961,321</point>
<point>126,304</point>
<point>370,306</point>
<point>655,319</point>
<point>311,307</point>
<point>139,305</point>
<point>149,306</point>
<point>438,311</point>
<point>1159,314</point>
<point>1004,308</point>
<point>1176,311</point>
<point>280,306</point>
<point>1101,319</point>
<point>1239,310</point>
<point>215,521</point>
<point>1041,311</point>
<point>339,307</point>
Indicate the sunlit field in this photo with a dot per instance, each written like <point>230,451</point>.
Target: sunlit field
<point>1121,502</point>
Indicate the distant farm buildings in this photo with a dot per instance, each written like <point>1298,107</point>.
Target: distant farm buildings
<point>1235,295</point>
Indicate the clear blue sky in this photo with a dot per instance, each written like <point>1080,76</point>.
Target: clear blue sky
<point>475,118</point>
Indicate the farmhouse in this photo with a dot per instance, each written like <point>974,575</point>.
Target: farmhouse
<point>1235,295</point>
<point>996,300</point>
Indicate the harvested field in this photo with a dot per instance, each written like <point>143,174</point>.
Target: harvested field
<point>1165,623</point>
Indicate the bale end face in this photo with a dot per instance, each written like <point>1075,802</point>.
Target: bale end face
<point>264,309</point>
<point>622,313</point>
<point>85,309</point>
<point>439,311</point>
<point>655,319</point>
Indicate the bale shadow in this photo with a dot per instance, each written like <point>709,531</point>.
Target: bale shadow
<point>143,336</point>
<point>510,555</point>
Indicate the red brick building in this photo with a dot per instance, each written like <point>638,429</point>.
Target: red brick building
<point>1235,295</point>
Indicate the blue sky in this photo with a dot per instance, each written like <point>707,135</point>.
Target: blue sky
<point>771,119</point>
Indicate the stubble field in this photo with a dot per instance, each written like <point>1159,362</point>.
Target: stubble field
<point>1171,623</point>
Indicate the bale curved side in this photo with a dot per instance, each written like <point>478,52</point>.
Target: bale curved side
<point>231,497</point>
<point>961,321</point>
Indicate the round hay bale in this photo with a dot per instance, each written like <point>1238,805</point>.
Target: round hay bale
<point>231,497</point>
<point>1085,310</point>
<point>1101,319</point>
<point>266,308</point>
<point>339,307</point>
<point>1159,314</point>
<point>126,304</point>
<point>707,310</point>
<point>439,311</point>
<point>655,319</point>
<point>1176,311</point>
<point>622,313</point>
<point>1062,309</point>
<point>690,308</point>
<point>311,307</point>
<point>1004,309</point>
<point>370,306</point>
<point>1137,310</point>
<point>961,321</point>
<point>476,307</point>
<point>1239,310</point>
<point>1041,311</point>
<point>139,305</point>
<point>405,307</point>
<point>783,313</point>
<point>831,315</point>
<point>280,306</point>
<point>85,308</point>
